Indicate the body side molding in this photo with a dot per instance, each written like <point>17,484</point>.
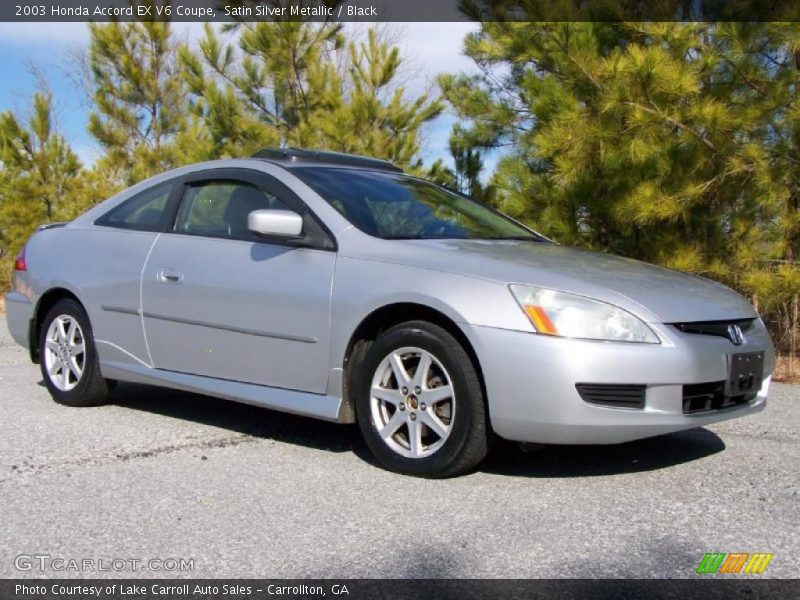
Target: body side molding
<point>300,403</point>
<point>122,310</point>
<point>270,334</point>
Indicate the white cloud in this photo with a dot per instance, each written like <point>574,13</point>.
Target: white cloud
<point>437,47</point>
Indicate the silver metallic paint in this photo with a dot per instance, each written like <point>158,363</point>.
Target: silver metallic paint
<point>233,291</point>
<point>282,223</point>
<point>231,286</point>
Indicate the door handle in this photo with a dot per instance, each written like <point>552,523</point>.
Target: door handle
<point>169,276</point>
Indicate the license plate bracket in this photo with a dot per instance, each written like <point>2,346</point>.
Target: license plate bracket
<point>745,372</point>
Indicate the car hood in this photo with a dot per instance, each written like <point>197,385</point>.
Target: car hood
<point>653,293</point>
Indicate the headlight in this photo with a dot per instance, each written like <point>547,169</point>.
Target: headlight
<point>572,316</point>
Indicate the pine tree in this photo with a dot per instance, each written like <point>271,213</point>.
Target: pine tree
<point>440,173</point>
<point>257,93</point>
<point>299,84</point>
<point>367,113</point>
<point>468,166</point>
<point>139,98</point>
<point>41,179</point>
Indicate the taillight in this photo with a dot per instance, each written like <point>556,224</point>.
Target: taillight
<point>19,264</point>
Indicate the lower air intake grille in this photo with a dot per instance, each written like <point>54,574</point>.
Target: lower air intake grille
<point>613,395</point>
<point>704,397</point>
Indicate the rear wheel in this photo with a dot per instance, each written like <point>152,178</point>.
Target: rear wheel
<point>69,361</point>
<point>420,404</point>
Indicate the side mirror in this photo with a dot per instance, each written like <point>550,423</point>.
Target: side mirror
<point>275,223</point>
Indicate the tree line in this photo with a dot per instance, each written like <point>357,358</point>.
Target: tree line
<point>675,143</point>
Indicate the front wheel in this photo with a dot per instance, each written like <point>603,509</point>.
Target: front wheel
<point>420,404</point>
<point>69,361</point>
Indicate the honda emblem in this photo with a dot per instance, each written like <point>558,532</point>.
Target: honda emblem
<point>735,334</point>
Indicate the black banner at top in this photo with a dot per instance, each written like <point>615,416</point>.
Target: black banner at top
<point>398,10</point>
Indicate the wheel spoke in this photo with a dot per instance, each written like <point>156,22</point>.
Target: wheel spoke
<point>51,345</point>
<point>398,418</point>
<point>399,370</point>
<point>73,366</point>
<point>391,396</point>
<point>78,349</point>
<point>61,330</point>
<point>53,369</point>
<point>71,329</point>
<point>415,437</point>
<point>423,368</point>
<point>436,395</point>
<point>435,423</point>
<point>65,377</point>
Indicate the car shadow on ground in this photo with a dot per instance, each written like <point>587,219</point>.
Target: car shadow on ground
<point>649,454</point>
<point>238,418</point>
<point>505,458</point>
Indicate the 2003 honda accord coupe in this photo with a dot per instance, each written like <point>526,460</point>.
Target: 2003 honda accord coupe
<point>337,287</point>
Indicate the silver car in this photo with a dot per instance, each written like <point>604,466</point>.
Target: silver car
<point>337,287</point>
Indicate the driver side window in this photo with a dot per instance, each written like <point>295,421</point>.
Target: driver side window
<point>220,209</point>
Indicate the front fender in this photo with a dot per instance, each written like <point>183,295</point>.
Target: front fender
<point>362,286</point>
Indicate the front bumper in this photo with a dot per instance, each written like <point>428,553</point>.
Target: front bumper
<point>530,383</point>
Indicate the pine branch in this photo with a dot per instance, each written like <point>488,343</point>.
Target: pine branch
<point>674,122</point>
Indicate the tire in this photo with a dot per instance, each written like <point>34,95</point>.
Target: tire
<point>72,377</point>
<point>409,426</point>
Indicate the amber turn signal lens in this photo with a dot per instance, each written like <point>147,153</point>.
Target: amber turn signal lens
<point>540,320</point>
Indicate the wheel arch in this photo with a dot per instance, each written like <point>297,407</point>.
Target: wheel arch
<point>45,303</point>
<point>387,316</point>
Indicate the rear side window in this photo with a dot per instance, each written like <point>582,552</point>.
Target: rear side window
<point>144,212</point>
<point>220,209</point>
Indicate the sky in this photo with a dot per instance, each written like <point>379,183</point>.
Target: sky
<point>49,49</point>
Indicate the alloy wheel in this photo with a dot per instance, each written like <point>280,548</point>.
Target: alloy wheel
<point>412,402</point>
<point>65,352</point>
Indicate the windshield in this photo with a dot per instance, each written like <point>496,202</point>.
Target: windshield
<point>396,206</point>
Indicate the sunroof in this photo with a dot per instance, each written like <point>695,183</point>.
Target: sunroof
<point>324,156</point>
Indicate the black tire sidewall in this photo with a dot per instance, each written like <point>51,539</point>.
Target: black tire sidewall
<point>91,371</point>
<point>452,357</point>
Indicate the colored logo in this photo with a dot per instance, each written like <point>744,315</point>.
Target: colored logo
<point>736,562</point>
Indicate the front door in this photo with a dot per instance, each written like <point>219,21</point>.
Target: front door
<point>218,302</point>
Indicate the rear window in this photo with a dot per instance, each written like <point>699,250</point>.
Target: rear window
<point>145,211</point>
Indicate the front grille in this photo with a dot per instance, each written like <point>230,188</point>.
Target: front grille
<point>705,397</point>
<point>613,395</point>
<point>715,328</point>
